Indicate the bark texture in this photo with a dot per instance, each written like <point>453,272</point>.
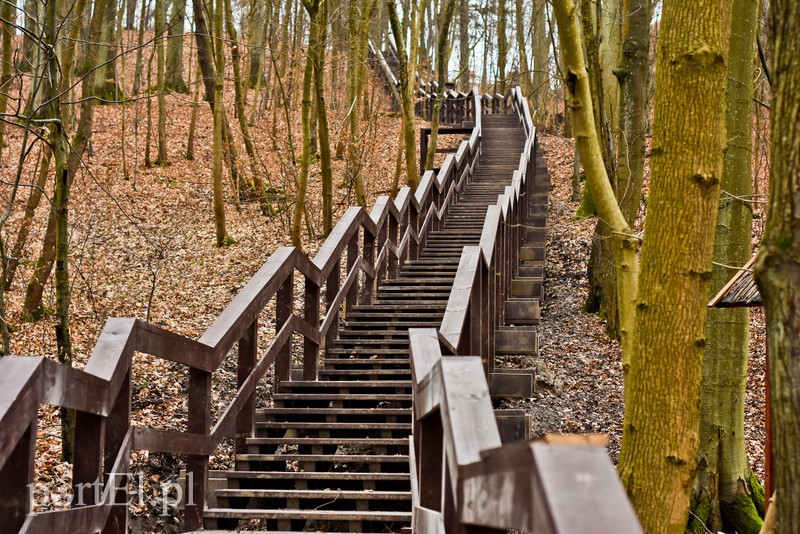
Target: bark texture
<point>409,130</point>
<point>778,264</point>
<point>662,393</point>
<point>722,487</point>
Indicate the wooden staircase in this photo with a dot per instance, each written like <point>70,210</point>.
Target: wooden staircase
<point>332,454</point>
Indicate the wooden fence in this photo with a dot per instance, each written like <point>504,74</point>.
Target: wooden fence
<point>462,477</point>
<point>372,246</point>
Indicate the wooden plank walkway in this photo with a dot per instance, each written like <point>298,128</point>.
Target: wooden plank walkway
<point>332,454</point>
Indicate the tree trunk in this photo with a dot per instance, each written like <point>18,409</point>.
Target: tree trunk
<point>662,394</point>
<point>723,482</point>
<point>255,183</point>
<point>463,45</point>
<point>778,266</point>
<point>579,101</point>
<point>130,14</point>
<point>409,127</point>
<point>441,68</point>
<point>524,73</point>
<point>137,70</point>
<point>502,47</point>
<point>105,81</point>
<point>259,21</point>
<point>219,120</point>
<point>193,119</point>
<point>610,33</point>
<point>312,6</point>
<point>67,157</point>
<point>322,118</point>
<point>541,70</point>
<point>7,12</point>
<point>163,158</point>
<point>30,50</point>
<point>27,219</point>
<point>175,80</point>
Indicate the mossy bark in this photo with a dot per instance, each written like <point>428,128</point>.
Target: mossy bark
<point>163,158</point>
<point>175,80</point>
<point>721,484</point>
<point>409,130</point>
<point>219,120</point>
<point>662,391</point>
<point>625,245</point>
<point>312,7</point>
<point>777,268</point>
<point>541,62</point>
<point>441,76</point>
<point>322,119</point>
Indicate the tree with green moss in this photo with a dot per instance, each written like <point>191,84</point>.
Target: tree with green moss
<point>726,494</point>
<point>662,298</point>
<point>777,268</point>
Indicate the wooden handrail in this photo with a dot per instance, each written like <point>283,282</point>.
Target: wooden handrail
<point>374,246</point>
<point>528,486</point>
<point>531,486</point>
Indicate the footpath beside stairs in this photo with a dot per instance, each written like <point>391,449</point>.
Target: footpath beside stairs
<point>332,454</point>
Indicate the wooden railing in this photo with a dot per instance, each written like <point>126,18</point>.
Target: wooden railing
<point>373,247</point>
<point>461,475</point>
<point>457,107</point>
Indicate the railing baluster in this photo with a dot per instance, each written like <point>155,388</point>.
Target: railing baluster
<point>284,301</point>
<point>311,316</point>
<point>248,355</point>
<point>196,465</point>
<point>15,477</point>
<point>332,285</point>
<point>368,253</point>
<point>352,256</point>
<point>116,428</point>
<point>88,467</point>
<point>392,238</point>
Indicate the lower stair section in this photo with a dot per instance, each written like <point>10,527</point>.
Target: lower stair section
<point>331,455</point>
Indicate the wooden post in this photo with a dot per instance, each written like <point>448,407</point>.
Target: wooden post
<point>423,148</point>
<point>88,467</point>
<point>431,462</point>
<point>116,428</point>
<point>15,477</point>
<point>284,300</point>
<point>352,255</point>
<point>248,355</point>
<point>368,253</point>
<point>332,286</point>
<point>392,238</point>
<point>311,316</point>
<point>197,465</point>
<point>476,314</point>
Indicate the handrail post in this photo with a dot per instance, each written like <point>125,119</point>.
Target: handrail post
<point>423,148</point>
<point>352,256</point>
<point>116,428</point>
<point>487,320</point>
<point>332,286</point>
<point>248,355</point>
<point>283,310</point>
<point>311,316</point>
<point>88,467</point>
<point>392,238</point>
<point>368,253</point>
<point>413,224</point>
<point>197,465</point>
<point>476,314</point>
<point>15,477</point>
